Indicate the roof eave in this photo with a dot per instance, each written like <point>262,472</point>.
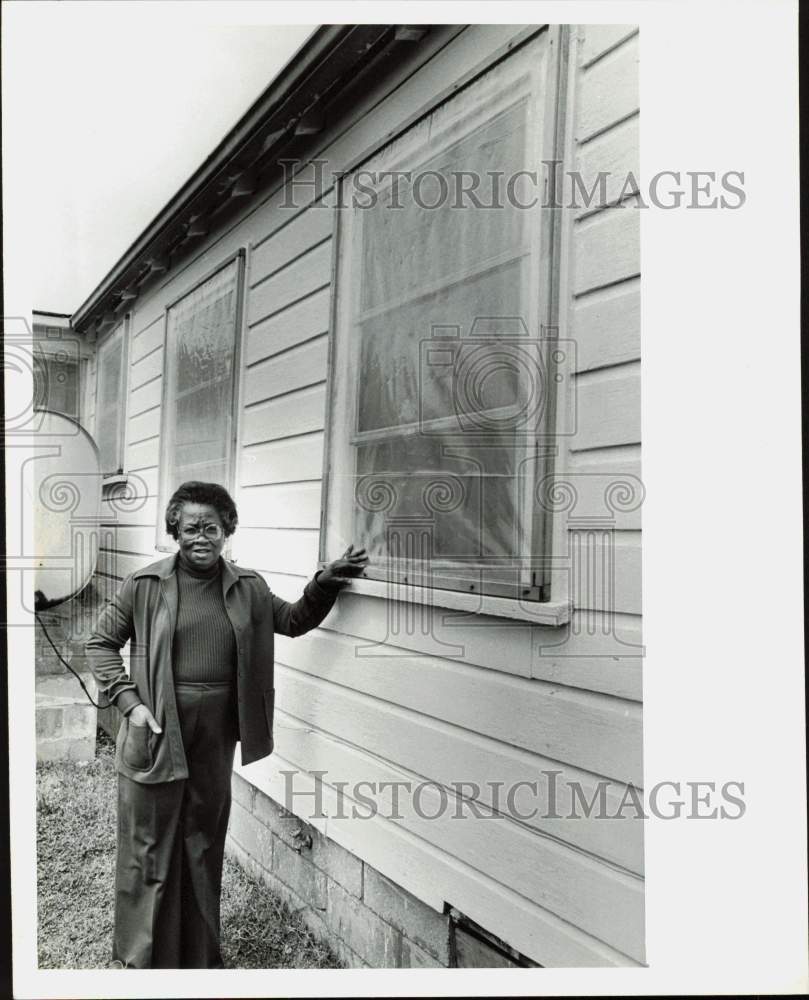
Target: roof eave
<point>314,52</point>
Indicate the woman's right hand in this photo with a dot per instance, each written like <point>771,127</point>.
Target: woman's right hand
<point>141,716</point>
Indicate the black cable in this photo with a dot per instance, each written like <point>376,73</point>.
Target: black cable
<point>42,626</point>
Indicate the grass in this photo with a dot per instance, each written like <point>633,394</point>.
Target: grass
<point>76,823</point>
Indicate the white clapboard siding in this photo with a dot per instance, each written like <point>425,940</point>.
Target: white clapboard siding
<point>145,396</point>
<point>615,156</point>
<point>277,549</point>
<point>143,426</point>
<point>606,325</point>
<point>508,709</point>
<point>291,460</point>
<point>590,634</point>
<point>144,479</point>
<point>119,565</point>
<point>606,570</point>
<point>140,510</point>
<point>299,366</point>
<point>600,649</point>
<point>608,90</point>
<point>434,876</point>
<point>146,341</point>
<point>143,326</point>
<point>134,539</point>
<point>143,455</point>
<point>396,628</point>
<point>287,585</point>
<point>302,321</point>
<point>601,38</point>
<point>450,697</point>
<point>293,505</point>
<point>499,644</point>
<point>586,730</point>
<point>149,367</point>
<point>607,246</point>
<point>298,236</point>
<point>607,405</point>
<point>303,276</point>
<point>607,903</point>
<point>597,652</point>
<point>295,412</point>
<point>607,485</point>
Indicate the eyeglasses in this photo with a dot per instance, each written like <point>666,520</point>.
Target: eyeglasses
<point>213,532</point>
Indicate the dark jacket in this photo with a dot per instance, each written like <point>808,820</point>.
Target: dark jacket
<point>144,612</point>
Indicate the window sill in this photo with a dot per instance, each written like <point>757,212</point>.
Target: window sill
<point>553,613</point>
<point>108,482</point>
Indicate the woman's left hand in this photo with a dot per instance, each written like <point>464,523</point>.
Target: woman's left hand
<point>342,570</point>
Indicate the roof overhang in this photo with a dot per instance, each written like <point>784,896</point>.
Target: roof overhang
<point>331,65</point>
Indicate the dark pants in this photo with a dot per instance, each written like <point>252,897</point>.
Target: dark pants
<point>171,843</point>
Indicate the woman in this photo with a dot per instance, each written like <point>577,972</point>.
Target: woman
<point>200,679</point>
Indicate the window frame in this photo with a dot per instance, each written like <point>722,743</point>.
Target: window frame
<point>549,604</point>
<point>47,360</point>
<point>239,256</point>
<point>84,390</point>
<point>121,329</point>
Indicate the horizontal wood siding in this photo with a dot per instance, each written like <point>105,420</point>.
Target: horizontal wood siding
<point>604,320</point>
<point>606,325</point>
<point>298,367</point>
<point>601,649</point>
<point>286,505</point>
<point>605,902</point>
<point>302,321</point>
<point>607,86</point>
<point>368,697</point>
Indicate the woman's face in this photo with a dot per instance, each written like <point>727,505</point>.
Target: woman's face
<point>201,537</point>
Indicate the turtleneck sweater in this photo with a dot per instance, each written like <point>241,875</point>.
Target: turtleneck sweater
<point>204,647</point>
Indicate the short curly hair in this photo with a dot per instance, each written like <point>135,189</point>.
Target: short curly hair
<point>195,492</point>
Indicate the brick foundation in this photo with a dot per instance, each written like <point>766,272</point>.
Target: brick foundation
<point>367,920</point>
<point>65,719</point>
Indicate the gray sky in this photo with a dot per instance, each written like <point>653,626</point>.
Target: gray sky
<point>122,103</point>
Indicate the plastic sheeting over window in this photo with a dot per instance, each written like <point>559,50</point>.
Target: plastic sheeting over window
<point>433,444</point>
<point>198,410</point>
<point>109,408</point>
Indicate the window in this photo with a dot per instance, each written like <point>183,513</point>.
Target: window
<point>110,397</point>
<point>60,372</point>
<point>56,382</point>
<point>441,364</point>
<point>198,424</point>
